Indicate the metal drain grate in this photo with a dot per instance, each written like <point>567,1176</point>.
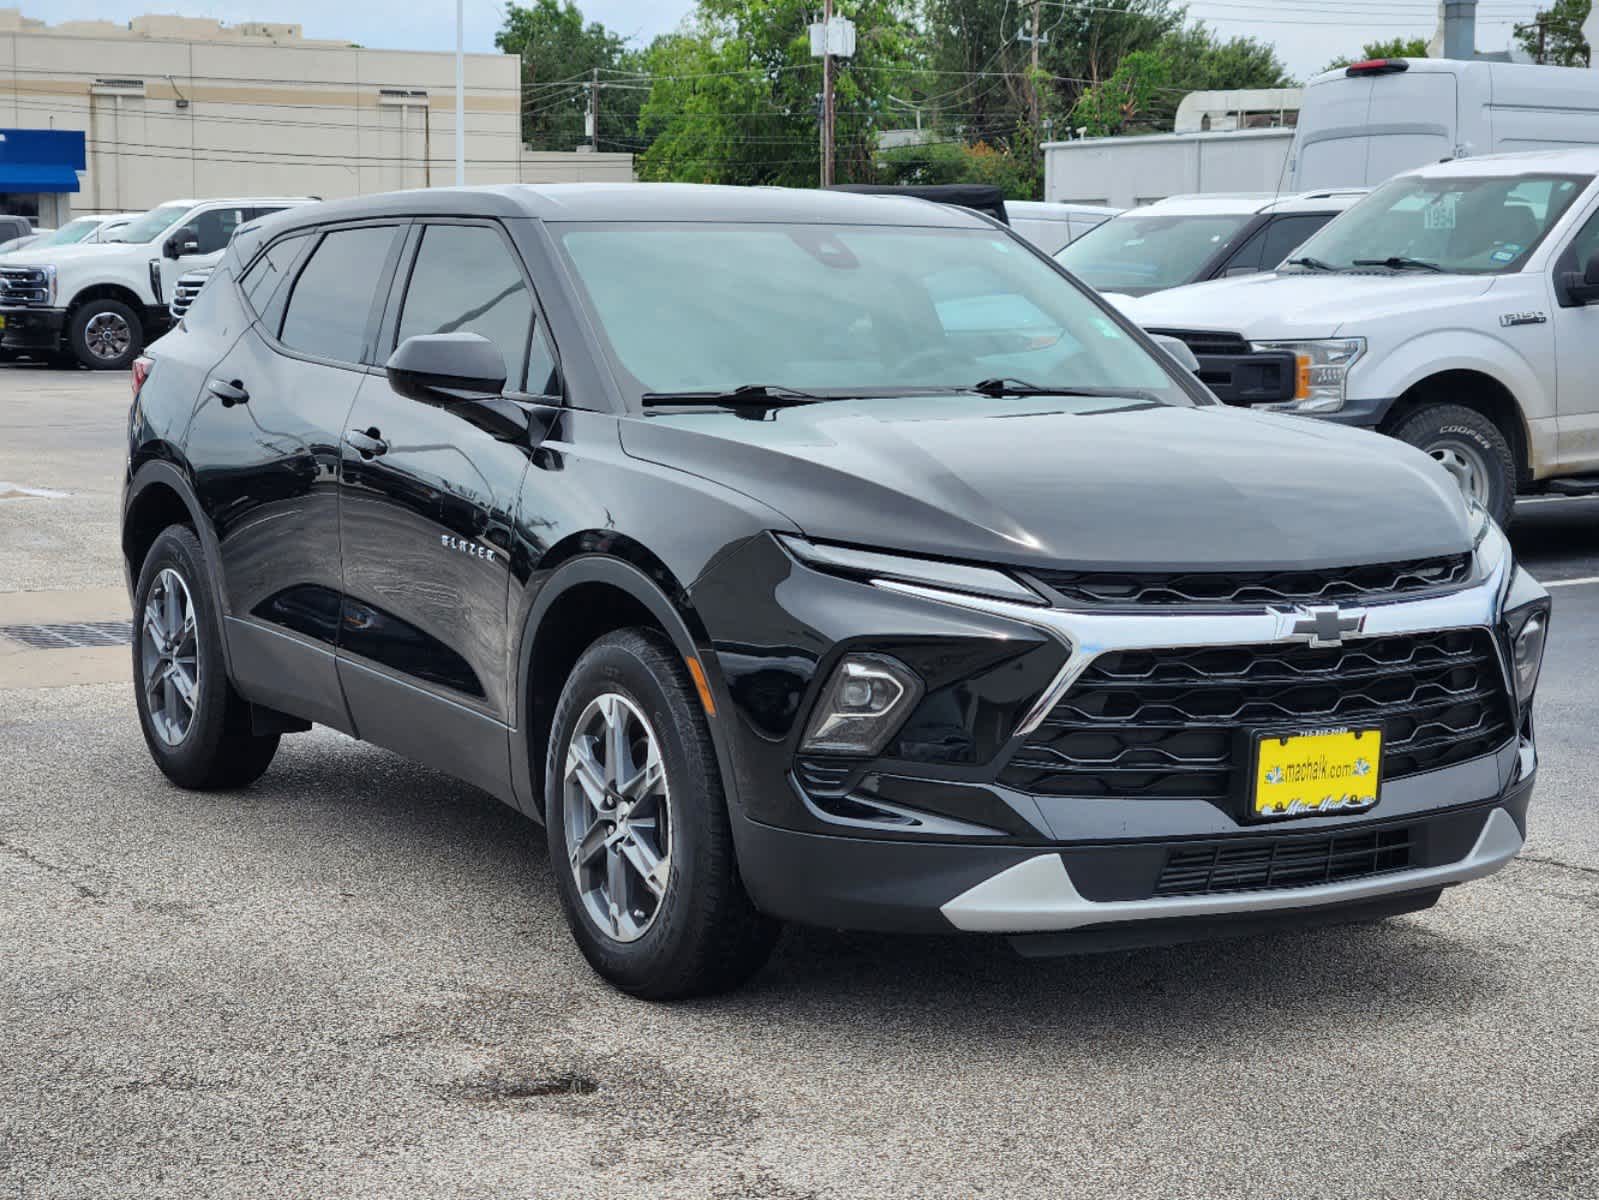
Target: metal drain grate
<point>70,635</point>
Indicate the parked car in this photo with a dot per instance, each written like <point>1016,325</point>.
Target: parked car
<point>14,226</point>
<point>1450,309</point>
<point>101,303</point>
<point>1186,239</point>
<point>80,231</point>
<point>26,240</point>
<point>1361,124</point>
<point>186,291</point>
<point>777,598</point>
<point>1052,226</point>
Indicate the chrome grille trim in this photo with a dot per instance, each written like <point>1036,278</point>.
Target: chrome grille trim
<point>24,285</point>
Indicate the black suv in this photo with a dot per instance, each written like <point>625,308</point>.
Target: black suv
<point>814,557</point>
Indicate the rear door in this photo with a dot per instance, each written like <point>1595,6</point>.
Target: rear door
<point>426,515</point>
<point>1363,129</point>
<point>267,426</point>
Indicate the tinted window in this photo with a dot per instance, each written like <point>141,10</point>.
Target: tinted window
<point>331,300</point>
<point>466,280</point>
<point>263,283</point>
<point>1140,253</point>
<point>213,228</point>
<point>1287,234</point>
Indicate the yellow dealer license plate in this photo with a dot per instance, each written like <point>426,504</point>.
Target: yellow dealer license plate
<point>2,322</point>
<point>1316,773</point>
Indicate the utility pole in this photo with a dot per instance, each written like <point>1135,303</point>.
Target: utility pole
<point>1032,79</point>
<point>1543,34</point>
<point>827,94</point>
<point>460,95</point>
<point>594,111</point>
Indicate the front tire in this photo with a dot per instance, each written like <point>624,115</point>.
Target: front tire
<point>105,335</point>
<point>1471,448</point>
<point>639,836</point>
<point>196,726</point>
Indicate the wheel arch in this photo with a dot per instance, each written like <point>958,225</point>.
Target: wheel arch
<point>591,593</point>
<point>108,291</point>
<point>1475,389</point>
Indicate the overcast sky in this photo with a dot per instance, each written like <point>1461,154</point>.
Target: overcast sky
<point>1306,32</point>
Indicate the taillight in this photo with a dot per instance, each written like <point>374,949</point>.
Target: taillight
<point>141,372</point>
<point>1377,66</point>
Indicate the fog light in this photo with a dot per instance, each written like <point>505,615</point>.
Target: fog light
<point>865,701</point>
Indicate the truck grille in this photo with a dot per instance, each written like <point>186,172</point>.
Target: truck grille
<point>187,289</point>
<point>1366,584</point>
<point>1204,342</point>
<point>1175,723</point>
<point>23,285</point>
<point>1254,863</point>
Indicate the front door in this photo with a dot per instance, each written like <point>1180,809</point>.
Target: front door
<point>1577,361</point>
<point>426,515</point>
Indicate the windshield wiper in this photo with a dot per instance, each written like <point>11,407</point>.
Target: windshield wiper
<point>752,395</point>
<point>1399,262</point>
<point>1315,264</point>
<point>1011,386</point>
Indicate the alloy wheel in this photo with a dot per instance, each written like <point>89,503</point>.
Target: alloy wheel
<point>107,335</point>
<point>1469,469</point>
<point>169,649</point>
<point>617,817</point>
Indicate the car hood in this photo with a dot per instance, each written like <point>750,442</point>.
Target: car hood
<point>1299,304</point>
<point>1093,484</point>
<point>29,257</point>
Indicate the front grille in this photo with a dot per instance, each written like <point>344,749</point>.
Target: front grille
<point>187,289</point>
<point>1366,584</point>
<point>1204,342</point>
<point>23,285</point>
<point>1175,723</point>
<point>1254,863</point>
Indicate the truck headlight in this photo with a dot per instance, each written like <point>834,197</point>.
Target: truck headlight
<point>1321,367</point>
<point>867,698</point>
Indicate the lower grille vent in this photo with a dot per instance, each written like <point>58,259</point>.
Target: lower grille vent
<point>1242,866</point>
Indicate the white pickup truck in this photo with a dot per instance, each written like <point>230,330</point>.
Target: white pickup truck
<point>1456,308</point>
<point>101,303</point>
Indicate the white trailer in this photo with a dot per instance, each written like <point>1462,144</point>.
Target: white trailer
<point>1124,172</point>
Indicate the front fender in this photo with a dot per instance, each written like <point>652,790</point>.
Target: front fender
<point>1454,349</point>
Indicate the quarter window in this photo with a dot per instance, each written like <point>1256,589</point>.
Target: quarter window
<point>332,299</point>
<point>466,279</point>
<point>264,283</point>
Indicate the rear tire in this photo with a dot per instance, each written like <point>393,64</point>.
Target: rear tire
<point>105,335</point>
<point>196,726</point>
<point>699,934</point>
<point>1471,448</point>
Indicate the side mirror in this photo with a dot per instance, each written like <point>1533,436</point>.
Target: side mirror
<point>181,243</point>
<point>446,368</point>
<point>1179,350</point>
<point>1584,288</point>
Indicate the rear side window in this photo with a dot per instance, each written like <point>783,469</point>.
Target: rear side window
<point>265,283</point>
<point>466,279</point>
<point>332,299</point>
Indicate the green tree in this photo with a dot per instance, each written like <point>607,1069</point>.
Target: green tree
<point>1563,44</point>
<point>560,53</point>
<point>1399,47</point>
<point>1109,107</point>
<point>734,97</point>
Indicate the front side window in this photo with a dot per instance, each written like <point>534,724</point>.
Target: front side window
<point>1137,255</point>
<point>466,280</point>
<point>152,225</point>
<point>212,229</point>
<point>1466,225</point>
<point>844,310</point>
<point>332,299</point>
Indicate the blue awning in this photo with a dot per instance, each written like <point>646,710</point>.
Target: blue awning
<point>37,177</point>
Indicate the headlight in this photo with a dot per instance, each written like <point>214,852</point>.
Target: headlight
<point>1526,623</point>
<point>865,701</point>
<point>49,287</point>
<point>871,565</point>
<point>1321,368</point>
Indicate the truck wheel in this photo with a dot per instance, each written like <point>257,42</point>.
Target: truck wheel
<point>1470,447</point>
<point>105,335</point>
<point>638,827</point>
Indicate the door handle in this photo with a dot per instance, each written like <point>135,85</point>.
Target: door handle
<point>368,443</point>
<point>229,393</point>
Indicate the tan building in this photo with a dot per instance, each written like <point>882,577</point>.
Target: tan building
<point>177,106</point>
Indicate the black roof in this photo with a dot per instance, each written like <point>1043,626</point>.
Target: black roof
<point>983,197</point>
<point>632,202</point>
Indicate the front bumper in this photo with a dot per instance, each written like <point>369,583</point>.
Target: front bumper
<point>28,328</point>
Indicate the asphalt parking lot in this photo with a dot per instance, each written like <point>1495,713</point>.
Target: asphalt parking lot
<point>352,979</point>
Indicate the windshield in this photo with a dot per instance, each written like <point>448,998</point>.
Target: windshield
<point>853,309</point>
<point>72,231</point>
<point>1452,223</point>
<point>150,226</point>
<point>1141,254</point>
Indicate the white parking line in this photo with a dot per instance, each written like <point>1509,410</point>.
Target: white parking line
<point>1571,582</point>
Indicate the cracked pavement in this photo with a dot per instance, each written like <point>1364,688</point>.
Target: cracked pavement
<point>352,980</point>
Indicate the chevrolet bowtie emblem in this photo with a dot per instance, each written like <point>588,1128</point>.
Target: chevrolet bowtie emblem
<point>1324,625</point>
